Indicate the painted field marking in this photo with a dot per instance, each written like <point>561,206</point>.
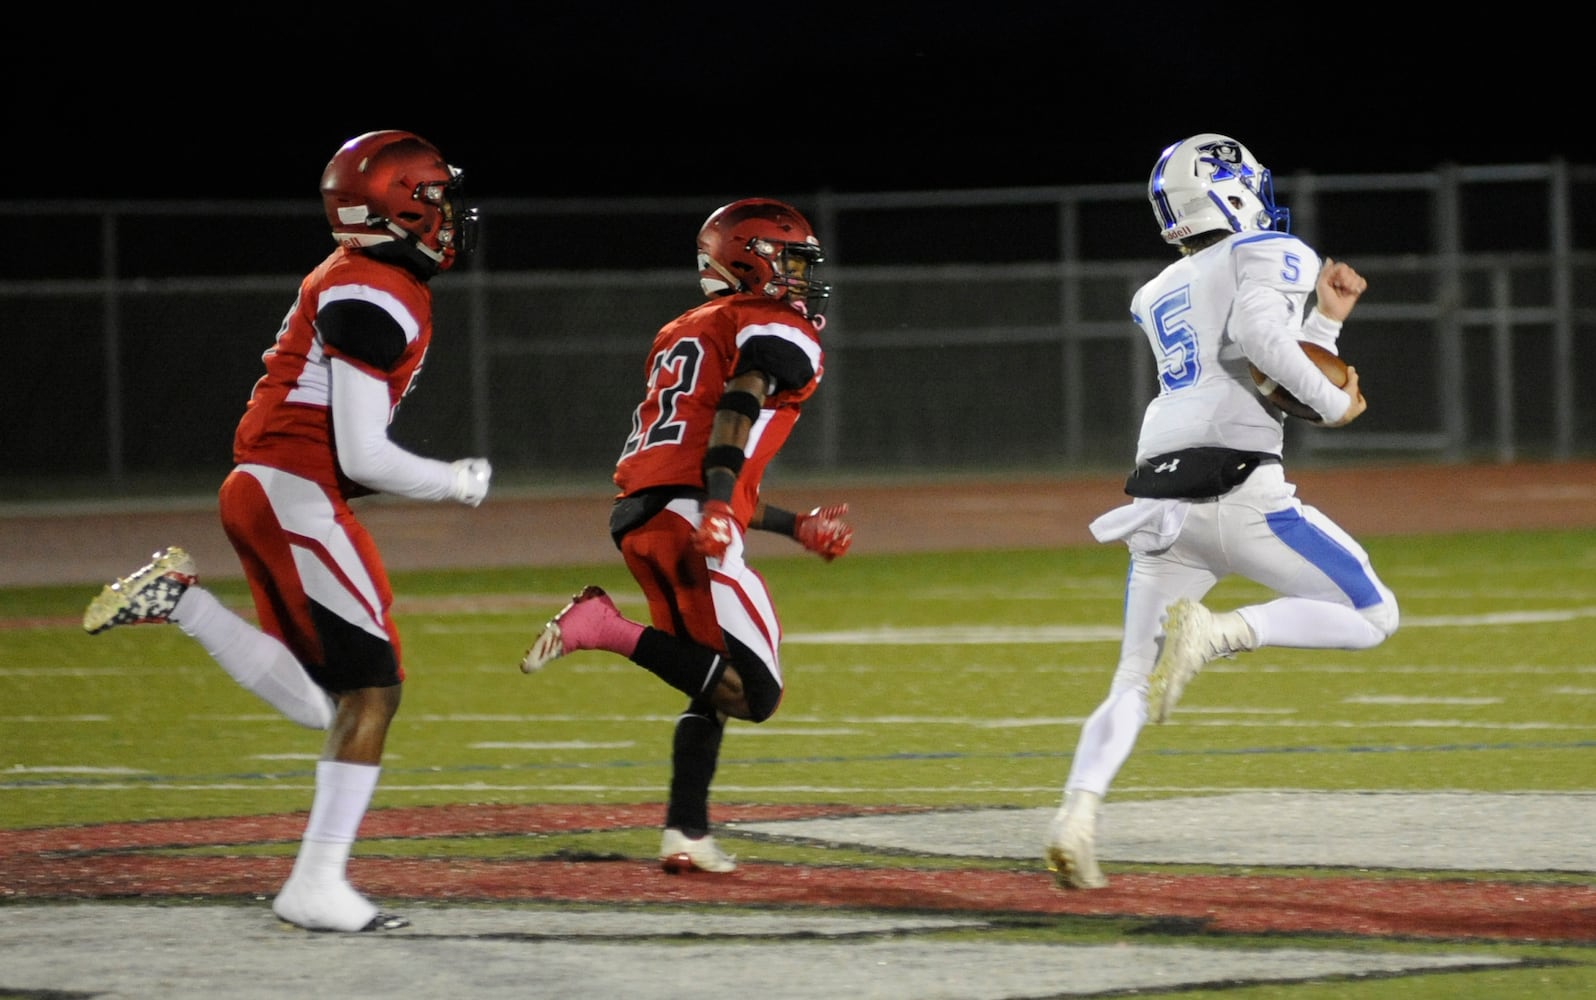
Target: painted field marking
<point>1048,634</point>
<point>553,745</point>
<point>1434,831</point>
<point>504,952</point>
<point>69,769</point>
<point>52,719</point>
<point>1406,699</point>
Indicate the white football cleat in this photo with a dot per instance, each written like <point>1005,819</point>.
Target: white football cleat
<point>1071,854</point>
<point>1193,637</point>
<point>680,854</point>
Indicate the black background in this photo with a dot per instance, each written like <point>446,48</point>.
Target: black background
<point>551,100</point>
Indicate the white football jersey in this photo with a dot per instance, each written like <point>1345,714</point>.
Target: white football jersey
<point>1205,316</point>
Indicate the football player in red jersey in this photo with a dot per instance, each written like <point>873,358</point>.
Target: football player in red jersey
<point>314,435</point>
<point>725,382</point>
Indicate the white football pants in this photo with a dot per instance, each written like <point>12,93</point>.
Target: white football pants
<point>1331,597</point>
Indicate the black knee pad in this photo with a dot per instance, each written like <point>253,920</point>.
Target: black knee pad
<point>761,690</point>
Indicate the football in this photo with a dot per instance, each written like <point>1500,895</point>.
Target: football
<point>1333,367</point>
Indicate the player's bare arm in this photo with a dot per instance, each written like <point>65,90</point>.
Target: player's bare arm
<point>728,435</point>
<point>723,458</point>
<point>732,425</point>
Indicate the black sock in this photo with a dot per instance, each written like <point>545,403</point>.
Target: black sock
<point>695,750</point>
<point>692,669</point>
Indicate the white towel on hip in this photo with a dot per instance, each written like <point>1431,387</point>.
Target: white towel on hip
<point>1144,525</point>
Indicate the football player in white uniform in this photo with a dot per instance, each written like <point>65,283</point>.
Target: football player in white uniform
<point>1211,494</point>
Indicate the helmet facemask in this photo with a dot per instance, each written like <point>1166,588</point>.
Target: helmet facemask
<point>794,274</point>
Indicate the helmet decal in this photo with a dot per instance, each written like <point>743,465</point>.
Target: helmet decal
<point>1225,160</point>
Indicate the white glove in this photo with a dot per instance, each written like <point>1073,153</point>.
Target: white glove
<point>471,477</point>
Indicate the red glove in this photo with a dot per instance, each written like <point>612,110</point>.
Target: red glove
<point>824,532</point>
<point>714,531</point>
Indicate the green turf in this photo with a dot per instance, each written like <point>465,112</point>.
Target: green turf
<point>138,723</point>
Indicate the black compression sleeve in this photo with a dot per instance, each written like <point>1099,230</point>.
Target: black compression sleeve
<point>722,462</point>
<point>720,483</point>
<point>781,522</point>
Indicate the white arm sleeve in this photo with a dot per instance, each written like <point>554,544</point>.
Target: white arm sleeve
<point>1322,330</point>
<point>360,435</point>
<point>1263,297</point>
<point>1275,351</point>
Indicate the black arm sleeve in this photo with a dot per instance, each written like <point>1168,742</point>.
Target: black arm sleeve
<point>781,361</point>
<point>362,331</point>
<point>779,520</point>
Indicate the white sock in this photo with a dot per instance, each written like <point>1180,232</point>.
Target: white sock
<point>317,894</point>
<point>1303,623</point>
<point>1236,631</point>
<point>258,662</point>
<point>343,791</point>
<point>1080,806</point>
<point>321,862</point>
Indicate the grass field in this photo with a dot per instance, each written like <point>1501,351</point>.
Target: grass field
<point>926,680</point>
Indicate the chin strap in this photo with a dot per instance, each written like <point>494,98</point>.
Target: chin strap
<point>725,272</point>
<point>406,236</point>
<point>801,305</point>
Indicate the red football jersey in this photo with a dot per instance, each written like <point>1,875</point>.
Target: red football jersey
<point>692,358</point>
<point>288,422</point>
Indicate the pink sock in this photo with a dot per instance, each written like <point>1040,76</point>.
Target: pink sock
<point>619,635</point>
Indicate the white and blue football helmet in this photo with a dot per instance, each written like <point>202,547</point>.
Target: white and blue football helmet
<point>1210,182</point>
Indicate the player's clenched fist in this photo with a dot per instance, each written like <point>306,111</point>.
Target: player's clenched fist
<point>824,532</point>
<point>471,479</point>
<point>1338,288</point>
<point>714,532</point>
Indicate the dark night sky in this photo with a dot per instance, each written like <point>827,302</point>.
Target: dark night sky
<point>675,99</point>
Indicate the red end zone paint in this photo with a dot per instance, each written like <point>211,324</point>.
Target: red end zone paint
<point>97,862</point>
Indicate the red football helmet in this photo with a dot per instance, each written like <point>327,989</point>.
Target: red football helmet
<point>765,246</point>
<point>392,194</point>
